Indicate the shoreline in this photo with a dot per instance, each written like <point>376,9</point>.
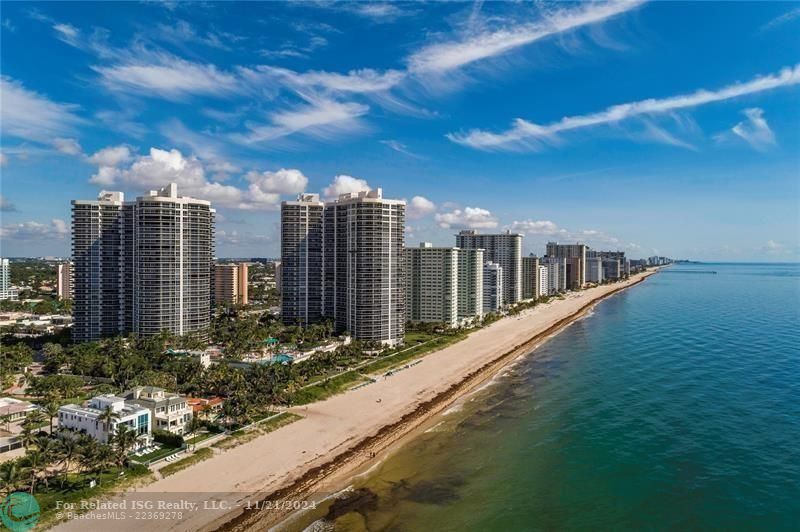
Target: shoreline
<point>345,435</point>
<point>337,473</point>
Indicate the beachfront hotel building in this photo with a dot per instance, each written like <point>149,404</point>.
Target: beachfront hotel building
<point>493,287</point>
<point>530,276</point>
<point>87,419</point>
<point>576,263</point>
<point>594,270</point>
<point>142,266</point>
<point>363,266</point>
<point>64,281</point>
<point>299,275</point>
<point>432,284</point>
<point>230,284</point>
<point>505,250</point>
<point>470,284</point>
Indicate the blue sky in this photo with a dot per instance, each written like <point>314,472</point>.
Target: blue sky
<point>653,127</point>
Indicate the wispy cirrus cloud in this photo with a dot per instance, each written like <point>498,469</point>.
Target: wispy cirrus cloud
<point>167,76</point>
<point>399,147</point>
<point>32,116</point>
<point>789,16</point>
<point>320,118</point>
<point>525,135</point>
<point>755,130</point>
<point>443,57</point>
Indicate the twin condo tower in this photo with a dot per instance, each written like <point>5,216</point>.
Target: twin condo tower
<point>343,261</point>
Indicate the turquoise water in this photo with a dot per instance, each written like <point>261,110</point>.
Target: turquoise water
<point>674,405</point>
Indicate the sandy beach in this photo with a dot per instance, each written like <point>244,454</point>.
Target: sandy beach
<point>337,437</point>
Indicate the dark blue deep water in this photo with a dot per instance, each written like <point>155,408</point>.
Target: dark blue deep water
<point>675,405</point>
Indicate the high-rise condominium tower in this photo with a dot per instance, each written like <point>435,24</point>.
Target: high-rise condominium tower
<point>301,260</point>
<point>493,282</point>
<point>504,249</point>
<point>103,266</point>
<point>64,280</point>
<point>432,284</point>
<point>363,279</point>
<point>576,269</point>
<point>530,277</point>
<point>470,283</point>
<point>143,266</point>
<point>230,284</point>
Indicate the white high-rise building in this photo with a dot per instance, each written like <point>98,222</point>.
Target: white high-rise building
<point>544,282</point>
<point>143,266</point>
<point>432,284</point>
<point>504,249</point>
<point>364,267</point>
<point>493,287</point>
<point>6,292</point>
<point>556,274</point>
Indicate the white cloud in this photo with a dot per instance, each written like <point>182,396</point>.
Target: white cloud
<point>207,146</point>
<point>67,146</point>
<point>321,118</point>
<point>782,19</point>
<point>28,115</point>
<point>342,184</point>
<point>107,161</point>
<point>527,135</point>
<point>440,58</point>
<point>379,12</point>
<point>68,33</point>
<point>755,130</point>
<point>111,156</point>
<point>468,218</point>
<point>365,80</point>
<point>166,76</point>
<point>57,229</point>
<point>267,187</point>
<point>160,167</point>
<point>400,148</point>
<point>420,207</point>
<point>6,206</point>
<point>536,227</point>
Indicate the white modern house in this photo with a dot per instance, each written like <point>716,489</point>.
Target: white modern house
<point>90,420</point>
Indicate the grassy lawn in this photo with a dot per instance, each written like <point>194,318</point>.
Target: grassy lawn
<point>197,438</point>
<point>197,457</point>
<point>155,455</point>
<point>76,489</point>
<point>241,436</point>
<point>323,390</point>
<point>388,362</point>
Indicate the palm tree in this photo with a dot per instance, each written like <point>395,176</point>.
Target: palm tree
<point>34,460</point>
<point>51,409</point>
<point>107,417</point>
<point>192,427</point>
<point>49,451</point>
<point>10,476</point>
<point>27,436</point>
<point>68,451</point>
<point>123,440</point>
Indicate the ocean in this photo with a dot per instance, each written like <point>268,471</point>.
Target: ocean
<point>674,404</point>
